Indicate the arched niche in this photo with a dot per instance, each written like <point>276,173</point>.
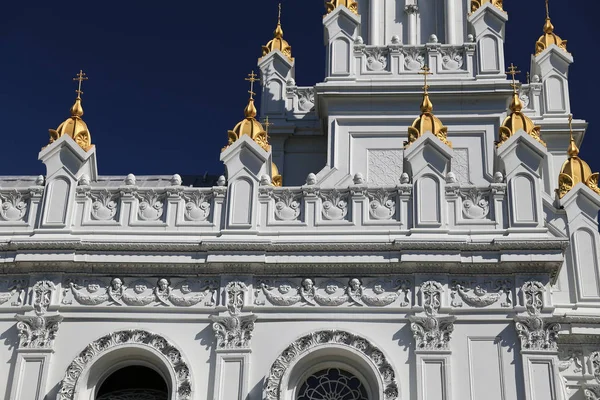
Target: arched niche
<point>117,350</point>
<point>325,349</point>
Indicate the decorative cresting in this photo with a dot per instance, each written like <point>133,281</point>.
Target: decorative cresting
<point>183,386</point>
<point>74,125</point>
<point>278,42</point>
<point>427,122</point>
<point>516,120</point>
<point>272,387</point>
<point>351,5</point>
<point>549,37</point>
<point>476,4</point>
<point>575,170</point>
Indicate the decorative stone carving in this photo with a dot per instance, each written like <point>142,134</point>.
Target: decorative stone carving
<point>311,179</point>
<point>140,292</point>
<point>233,331</point>
<point>151,205</point>
<point>104,205</point>
<point>176,180</point>
<point>10,288</point>
<point>385,166</point>
<point>37,332</point>
<point>475,203</point>
<point>287,205</point>
<point>591,392</point>
<point>334,204</point>
<point>197,205</point>
<point>235,296</point>
<point>533,295</point>
<point>414,58</point>
<point>411,9</point>
<point>14,206</point>
<point>595,364</point>
<point>382,205</point>
<point>182,387</point>
<point>460,165</point>
<point>431,332</point>
<point>535,334</point>
<point>431,296</point>
<point>130,180</point>
<point>272,389</point>
<point>306,99</point>
<point>377,58</point>
<point>452,58</point>
<point>476,297</point>
<point>42,295</point>
<point>571,357</point>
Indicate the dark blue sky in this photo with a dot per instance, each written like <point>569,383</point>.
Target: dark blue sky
<point>166,79</point>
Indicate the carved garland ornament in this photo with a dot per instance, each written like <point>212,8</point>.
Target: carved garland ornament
<point>122,338</point>
<point>272,387</point>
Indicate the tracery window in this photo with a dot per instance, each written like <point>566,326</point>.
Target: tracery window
<point>332,384</point>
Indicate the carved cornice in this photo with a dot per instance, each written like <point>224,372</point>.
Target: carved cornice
<point>37,332</point>
<point>272,389</point>
<point>183,386</point>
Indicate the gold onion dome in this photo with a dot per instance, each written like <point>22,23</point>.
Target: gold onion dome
<point>74,126</point>
<point>575,170</point>
<point>278,42</point>
<point>549,37</point>
<point>476,4</point>
<point>351,5</point>
<point>427,122</point>
<point>516,120</point>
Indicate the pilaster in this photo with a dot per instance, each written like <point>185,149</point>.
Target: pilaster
<point>341,31</point>
<point>488,24</point>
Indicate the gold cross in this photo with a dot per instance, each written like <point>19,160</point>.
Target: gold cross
<point>267,124</point>
<point>426,71</point>
<point>547,10</point>
<point>512,70</point>
<point>80,77</point>
<point>279,15</point>
<point>252,77</point>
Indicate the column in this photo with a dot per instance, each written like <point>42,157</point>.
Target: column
<point>375,11</point>
<point>450,22</point>
<point>412,10</point>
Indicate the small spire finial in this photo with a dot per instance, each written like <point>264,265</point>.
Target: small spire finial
<point>547,9</point>
<point>512,70</point>
<point>425,72</point>
<point>573,150</point>
<point>80,77</point>
<point>426,105</point>
<point>267,124</point>
<point>279,15</point>
<point>252,77</point>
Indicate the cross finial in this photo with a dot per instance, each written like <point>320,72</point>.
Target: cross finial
<point>547,9</point>
<point>267,124</point>
<point>512,70</point>
<point>252,77</point>
<point>279,15</point>
<point>80,77</point>
<point>425,72</point>
<point>571,125</point>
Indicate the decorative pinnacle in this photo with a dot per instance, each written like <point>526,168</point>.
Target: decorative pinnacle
<point>573,150</point>
<point>547,9</point>
<point>80,77</point>
<point>252,77</point>
<point>279,14</point>
<point>426,71</point>
<point>267,124</point>
<point>512,70</point>
<point>426,105</point>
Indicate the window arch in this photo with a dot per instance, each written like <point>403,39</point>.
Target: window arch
<point>332,383</point>
<point>133,382</point>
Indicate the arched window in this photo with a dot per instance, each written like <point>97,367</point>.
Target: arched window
<point>332,384</point>
<point>134,382</point>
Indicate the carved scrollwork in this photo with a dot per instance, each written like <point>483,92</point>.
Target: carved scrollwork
<point>10,288</point>
<point>414,58</point>
<point>197,206</point>
<point>235,296</point>
<point>306,99</point>
<point>432,332</point>
<point>533,294</point>
<point>431,296</point>
<point>181,370</point>
<point>452,58</point>
<point>233,331</point>
<point>595,364</point>
<point>42,295</point>
<point>334,204</point>
<point>151,205</point>
<point>571,357</point>
<point>14,206</point>
<point>382,205</point>
<point>104,205</point>
<point>536,334</point>
<point>272,389</point>
<point>287,205</point>
<point>475,203</point>
<point>37,332</point>
<point>377,58</point>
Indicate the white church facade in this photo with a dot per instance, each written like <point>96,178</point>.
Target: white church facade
<point>416,226</point>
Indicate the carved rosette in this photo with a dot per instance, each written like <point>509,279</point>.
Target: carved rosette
<point>13,206</point>
<point>151,205</point>
<point>272,389</point>
<point>287,205</point>
<point>197,206</point>
<point>233,331</point>
<point>382,205</point>
<point>432,333</point>
<point>537,335</point>
<point>334,204</point>
<point>104,205</point>
<point>37,332</point>
<point>183,386</point>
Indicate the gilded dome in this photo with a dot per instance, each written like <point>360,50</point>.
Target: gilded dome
<point>427,122</point>
<point>276,177</point>
<point>352,5</point>
<point>278,42</point>
<point>575,171</point>
<point>251,127</point>
<point>549,38</point>
<point>517,121</point>
<point>476,4</point>
<point>74,127</point>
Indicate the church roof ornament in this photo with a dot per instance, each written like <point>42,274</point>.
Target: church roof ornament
<point>575,170</point>
<point>476,4</point>
<point>549,37</point>
<point>427,122</point>
<point>74,126</point>
<point>276,179</point>
<point>351,5</point>
<point>278,42</point>
<point>516,120</point>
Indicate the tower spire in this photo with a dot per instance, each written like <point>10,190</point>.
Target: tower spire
<point>549,37</point>
<point>278,43</point>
